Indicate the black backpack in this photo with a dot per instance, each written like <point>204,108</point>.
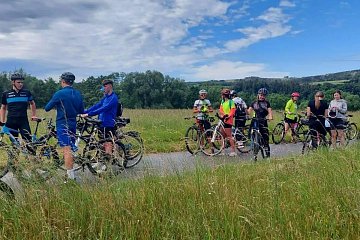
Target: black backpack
<point>240,111</point>
<point>120,109</point>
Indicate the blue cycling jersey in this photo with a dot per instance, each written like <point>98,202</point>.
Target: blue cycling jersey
<point>106,109</point>
<point>68,103</point>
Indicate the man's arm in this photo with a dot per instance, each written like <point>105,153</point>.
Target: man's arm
<point>270,114</point>
<point>33,109</point>
<point>2,113</point>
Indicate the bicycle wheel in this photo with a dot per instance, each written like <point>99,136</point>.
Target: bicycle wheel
<point>352,131</point>
<point>212,142</point>
<point>301,131</point>
<point>133,147</point>
<point>278,133</point>
<point>192,139</point>
<point>307,144</point>
<point>242,140</point>
<point>256,145</point>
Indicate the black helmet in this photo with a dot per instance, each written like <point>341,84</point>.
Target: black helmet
<point>68,77</point>
<point>233,93</point>
<point>17,76</point>
<point>263,91</point>
<point>107,81</point>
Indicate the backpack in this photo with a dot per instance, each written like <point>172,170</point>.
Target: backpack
<point>120,109</point>
<point>240,111</point>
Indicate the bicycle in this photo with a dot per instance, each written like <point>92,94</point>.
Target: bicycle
<point>298,130</point>
<point>256,138</point>
<point>92,151</point>
<point>193,135</point>
<point>213,142</point>
<point>351,128</point>
<point>314,139</point>
<point>132,142</point>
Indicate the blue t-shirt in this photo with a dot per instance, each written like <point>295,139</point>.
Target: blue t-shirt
<point>106,109</point>
<point>68,103</point>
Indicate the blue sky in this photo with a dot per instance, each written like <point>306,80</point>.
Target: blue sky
<point>193,40</point>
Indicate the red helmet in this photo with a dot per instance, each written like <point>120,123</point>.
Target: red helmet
<point>295,94</point>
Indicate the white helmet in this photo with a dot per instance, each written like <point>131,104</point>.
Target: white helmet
<point>202,91</point>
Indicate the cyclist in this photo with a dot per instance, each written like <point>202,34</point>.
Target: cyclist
<point>337,110</point>
<point>203,107</point>
<point>106,108</point>
<point>291,115</point>
<point>227,111</point>
<point>15,102</point>
<point>316,111</point>
<point>261,109</point>
<point>240,113</point>
<point>68,103</point>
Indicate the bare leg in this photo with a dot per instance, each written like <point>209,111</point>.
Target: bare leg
<point>333,138</point>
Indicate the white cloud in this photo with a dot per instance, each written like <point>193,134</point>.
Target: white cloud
<point>286,3</point>
<point>276,26</point>
<point>119,35</point>
<point>90,37</point>
<point>231,70</point>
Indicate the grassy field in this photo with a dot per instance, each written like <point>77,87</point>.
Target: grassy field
<point>311,197</point>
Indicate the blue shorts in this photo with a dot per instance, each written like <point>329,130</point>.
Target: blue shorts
<point>66,133</point>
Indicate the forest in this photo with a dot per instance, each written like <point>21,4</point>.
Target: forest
<point>154,90</point>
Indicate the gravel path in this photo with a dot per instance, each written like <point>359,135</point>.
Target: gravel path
<point>169,163</point>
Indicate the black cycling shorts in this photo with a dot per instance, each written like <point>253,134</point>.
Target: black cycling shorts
<point>337,123</point>
<point>290,121</point>
<point>106,133</point>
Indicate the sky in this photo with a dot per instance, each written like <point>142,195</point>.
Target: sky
<point>192,40</point>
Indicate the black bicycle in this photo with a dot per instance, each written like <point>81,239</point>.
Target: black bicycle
<point>257,140</point>
<point>298,130</point>
<point>193,135</point>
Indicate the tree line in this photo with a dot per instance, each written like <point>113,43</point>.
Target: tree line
<point>152,89</point>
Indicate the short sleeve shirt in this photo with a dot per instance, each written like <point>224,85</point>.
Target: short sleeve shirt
<point>17,102</point>
<point>261,108</point>
<point>200,103</point>
<point>321,110</point>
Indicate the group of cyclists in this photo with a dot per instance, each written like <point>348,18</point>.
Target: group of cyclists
<point>235,112</point>
<point>68,103</point>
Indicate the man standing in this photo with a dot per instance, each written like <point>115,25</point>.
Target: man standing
<point>16,102</point>
<point>68,103</point>
<point>106,108</point>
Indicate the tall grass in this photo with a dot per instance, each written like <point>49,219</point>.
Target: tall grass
<point>311,197</point>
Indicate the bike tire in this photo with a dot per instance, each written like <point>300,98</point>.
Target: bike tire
<point>278,133</point>
<point>301,131</point>
<point>255,146</point>
<point>209,147</point>
<point>133,146</point>
<point>192,140</point>
<point>353,131</point>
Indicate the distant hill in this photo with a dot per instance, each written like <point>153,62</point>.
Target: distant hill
<point>352,75</point>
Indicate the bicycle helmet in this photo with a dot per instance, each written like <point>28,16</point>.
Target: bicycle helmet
<point>225,91</point>
<point>17,76</point>
<point>68,77</point>
<point>202,91</point>
<point>233,93</point>
<point>295,94</point>
<point>263,91</point>
<point>107,81</point>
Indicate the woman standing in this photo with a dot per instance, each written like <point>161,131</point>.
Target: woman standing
<point>337,111</point>
<point>227,111</point>
<point>316,111</point>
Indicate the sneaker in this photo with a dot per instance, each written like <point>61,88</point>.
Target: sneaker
<point>232,154</point>
<point>240,144</point>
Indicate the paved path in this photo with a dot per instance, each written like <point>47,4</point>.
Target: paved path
<point>169,163</point>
